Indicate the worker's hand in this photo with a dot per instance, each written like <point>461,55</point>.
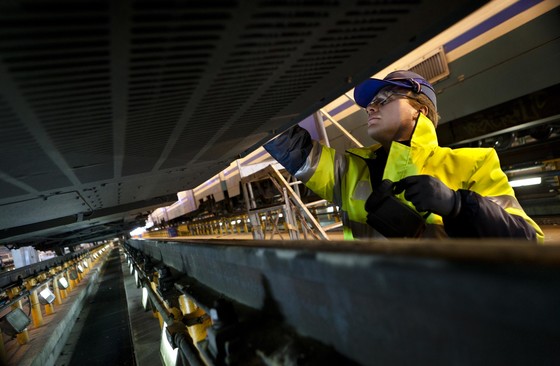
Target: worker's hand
<point>378,195</point>
<point>429,194</point>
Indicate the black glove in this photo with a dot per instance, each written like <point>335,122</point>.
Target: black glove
<point>379,194</point>
<point>291,148</point>
<point>391,217</point>
<point>430,194</point>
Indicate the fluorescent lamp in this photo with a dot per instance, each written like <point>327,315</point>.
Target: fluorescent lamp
<point>525,182</point>
<point>138,231</point>
<point>167,352</point>
<point>14,322</point>
<point>62,282</point>
<point>46,296</point>
<point>146,304</point>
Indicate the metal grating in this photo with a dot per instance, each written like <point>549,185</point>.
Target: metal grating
<point>22,160</point>
<point>315,45</point>
<point>433,66</point>
<point>171,45</point>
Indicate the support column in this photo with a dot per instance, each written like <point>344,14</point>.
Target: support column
<point>56,291</point>
<point>320,128</point>
<point>36,313</point>
<point>49,309</point>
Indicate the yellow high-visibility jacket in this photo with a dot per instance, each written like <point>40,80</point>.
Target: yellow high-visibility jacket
<point>489,207</point>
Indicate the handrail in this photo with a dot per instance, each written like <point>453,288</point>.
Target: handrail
<point>8,279</point>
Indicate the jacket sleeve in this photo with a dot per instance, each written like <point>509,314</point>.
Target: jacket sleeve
<point>481,217</point>
<point>489,207</point>
<point>291,148</point>
<point>319,167</point>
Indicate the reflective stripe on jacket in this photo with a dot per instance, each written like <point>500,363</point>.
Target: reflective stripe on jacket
<point>344,179</point>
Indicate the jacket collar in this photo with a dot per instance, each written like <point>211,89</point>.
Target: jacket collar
<point>424,136</point>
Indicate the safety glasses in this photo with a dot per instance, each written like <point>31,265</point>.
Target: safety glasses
<point>383,98</point>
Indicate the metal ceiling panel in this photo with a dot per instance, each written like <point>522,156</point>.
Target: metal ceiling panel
<point>127,102</point>
<point>45,207</point>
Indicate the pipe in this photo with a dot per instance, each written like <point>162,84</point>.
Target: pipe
<point>188,350</point>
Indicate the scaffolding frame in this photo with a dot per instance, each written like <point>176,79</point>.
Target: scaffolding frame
<point>298,220</point>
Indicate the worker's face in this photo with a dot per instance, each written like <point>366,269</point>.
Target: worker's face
<point>391,117</point>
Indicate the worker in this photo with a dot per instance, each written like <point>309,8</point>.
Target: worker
<point>407,185</point>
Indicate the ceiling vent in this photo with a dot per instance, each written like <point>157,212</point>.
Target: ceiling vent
<point>432,66</point>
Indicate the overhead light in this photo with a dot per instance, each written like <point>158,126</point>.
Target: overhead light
<point>46,296</point>
<point>146,304</point>
<point>525,182</point>
<point>14,322</point>
<point>63,283</point>
<point>138,231</point>
<point>80,268</point>
<point>167,350</point>
<point>86,264</point>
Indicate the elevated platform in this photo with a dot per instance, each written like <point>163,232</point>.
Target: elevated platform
<point>101,322</point>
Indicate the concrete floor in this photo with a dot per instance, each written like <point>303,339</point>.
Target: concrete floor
<point>113,328</point>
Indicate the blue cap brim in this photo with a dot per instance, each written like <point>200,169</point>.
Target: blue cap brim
<point>364,93</point>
